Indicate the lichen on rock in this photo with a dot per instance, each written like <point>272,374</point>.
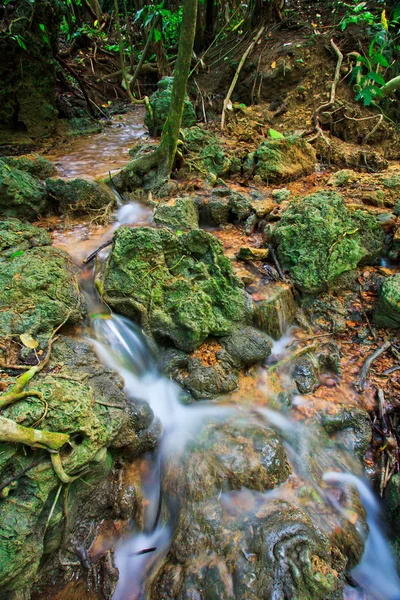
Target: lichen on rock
<point>21,194</point>
<point>318,239</point>
<point>179,287</point>
<point>281,160</point>
<point>79,196</point>
<point>159,102</point>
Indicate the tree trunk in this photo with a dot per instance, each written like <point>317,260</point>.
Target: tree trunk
<point>169,140</point>
<point>211,21</point>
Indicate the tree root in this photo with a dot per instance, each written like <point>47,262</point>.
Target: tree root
<point>35,438</point>
<point>327,105</point>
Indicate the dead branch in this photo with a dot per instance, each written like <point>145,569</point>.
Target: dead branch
<point>236,76</point>
<point>359,384</point>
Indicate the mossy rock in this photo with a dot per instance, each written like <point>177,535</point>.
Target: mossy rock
<point>160,102</point>
<point>38,291</point>
<point>177,213</point>
<point>21,194</point>
<point>87,402</point>
<point>274,311</point>
<point>282,160</point>
<point>205,154</point>
<point>79,196</point>
<point>17,236</point>
<point>247,346</point>
<point>318,239</point>
<point>387,313</point>
<point>34,164</point>
<point>179,287</point>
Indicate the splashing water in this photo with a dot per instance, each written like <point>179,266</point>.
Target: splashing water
<point>122,346</point>
<point>376,573</point>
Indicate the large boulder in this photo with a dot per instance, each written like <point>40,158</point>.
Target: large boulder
<point>38,288</point>
<point>160,102</point>
<point>36,165</point>
<point>387,313</point>
<point>318,239</point>
<point>86,402</point>
<point>179,287</point>
<point>205,154</point>
<point>80,196</point>
<point>177,213</point>
<point>21,194</point>
<point>282,160</point>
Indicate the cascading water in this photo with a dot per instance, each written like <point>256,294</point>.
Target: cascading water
<point>121,346</point>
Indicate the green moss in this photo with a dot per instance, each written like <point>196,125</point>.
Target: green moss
<point>160,101</point>
<point>79,196</point>
<point>179,287</point>
<point>36,165</point>
<point>16,236</point>
<point>319,239</point>
<point>38,291</point>
<point>387,313</point>
<point>21,194</point>
<point>178,213</point>
<point>282,160</point>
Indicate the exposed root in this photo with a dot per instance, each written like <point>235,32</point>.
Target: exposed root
<point>359,384</point>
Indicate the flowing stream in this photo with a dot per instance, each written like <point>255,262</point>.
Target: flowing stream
<point>121,346</point>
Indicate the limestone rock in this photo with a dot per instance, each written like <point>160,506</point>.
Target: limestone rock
<point>160,101</point>
<point>250,253</point>
<point>282,160</point>
<point>318,239</point>
<point>34,164</point>
<point>177,213</point>
<point>21,194</point>
<point>387,313</point>
<point>179,287</point>
<point>79,196</point>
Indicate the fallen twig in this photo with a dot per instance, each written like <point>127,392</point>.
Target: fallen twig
<point>276,263</point>
<point>359,384</point>
<point>95,253</point>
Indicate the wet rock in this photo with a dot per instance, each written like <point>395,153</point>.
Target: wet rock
<point>327,311</point>
<point>304,374</point>
<point>179,287</point>
<point>177,213</point>
<point>21,194</point>
<point>16,236</point>
<point>281,195</point>
<point>160,101</point>
<point>352,427</point>
<point>282,160</point>
<point>391,500</point>
<point>208,381</point>
<point>274,309</point>
<point>218,210</point>
<point>231,542</point>
<point>343,177</point>
<point>247,346</point>
<point>34,164</point>
<point>79,196</point>
<point>250,253</point>
<point>206,155</point>
<point>387,313</point>
<point>38,290</point>
<point>85,401</point>
<point>262,206</point>
<point>318,239</point>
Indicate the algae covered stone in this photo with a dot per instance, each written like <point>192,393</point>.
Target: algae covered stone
<point>177,213</point>
<point>282,159</point>
<point>38,292</point>
<point>205,154</point>
<point>387,313</point>
<point>21,194</point>
<point>318,239</point>
<point>36,165</point>
<point>179,287</point>
<point>79,196</point>
<point>160,101</point>
<point>16,236</point>
<point>87,402</point>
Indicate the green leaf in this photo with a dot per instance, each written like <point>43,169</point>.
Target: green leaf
<point>276,135</point>
<point>379,59</point>
<point>157,35</point>
<point>17,253</point>
<point>20,42</point>
<point>42,27</point>
<point>46,39</point>
<point>28,341</point>
<point>376,77</point>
